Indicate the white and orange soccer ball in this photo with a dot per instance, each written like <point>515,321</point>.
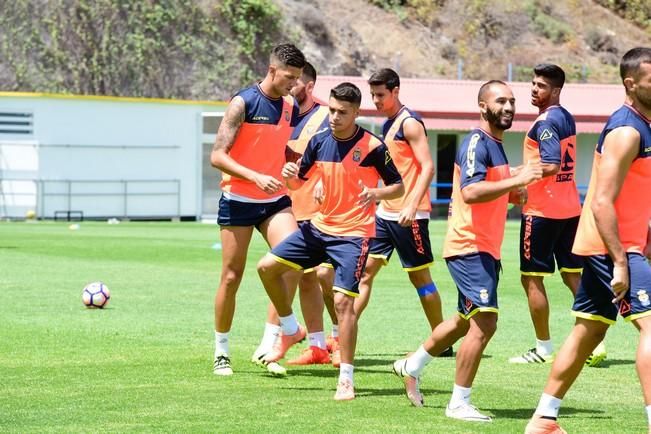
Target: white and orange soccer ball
<point>96,295</point>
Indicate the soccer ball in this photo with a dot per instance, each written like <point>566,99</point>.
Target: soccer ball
<point>96,295</point>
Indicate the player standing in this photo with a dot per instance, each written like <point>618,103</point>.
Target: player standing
<point>481,187</point>
<point>250,151</point>
<point>551,214</point>
<point>614,235</point>
<point>350,162</point>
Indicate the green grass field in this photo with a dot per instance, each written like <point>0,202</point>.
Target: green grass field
<point>145,363</point>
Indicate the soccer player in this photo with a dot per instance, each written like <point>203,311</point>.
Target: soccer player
<point>551,214</point>
<point>614,235</point>
<point>481,189</point>
<point>250,151</point>
<point>313,118</point>
<point>402,223</point>
<point>350,162</point>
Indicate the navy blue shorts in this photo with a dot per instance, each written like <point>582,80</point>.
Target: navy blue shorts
<point>594,297</point>
<point>476,276</point>
<point>309,247</point>
<point>543,239</point>
<point>235,213</point>
<point>412,243</point>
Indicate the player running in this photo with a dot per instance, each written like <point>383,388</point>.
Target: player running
<point>350,161</point>
<point>481,186</point>
<point>614,235</point>
<point>402,223</point>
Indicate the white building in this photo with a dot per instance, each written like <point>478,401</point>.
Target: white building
<point>106,156</point>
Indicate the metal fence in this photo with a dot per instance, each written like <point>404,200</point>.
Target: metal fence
<point>125,198</point>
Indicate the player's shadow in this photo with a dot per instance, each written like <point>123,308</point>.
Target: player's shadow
<point>525,413</point>
<point>397,392</point>
<point>614,362</point>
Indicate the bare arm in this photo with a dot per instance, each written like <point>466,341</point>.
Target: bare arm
<point>369,196</point>
<point>485,191</point>
<point>620,148</point>
<point>415,135</point>
<point>220,158</point>
<point>549,169</point>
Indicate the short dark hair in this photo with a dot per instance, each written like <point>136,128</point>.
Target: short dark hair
<point>630,64</point>
<point>484,88</point>
<point>309,72</point>
<point>347,92</point>
<point>551,72</point>
<point>288,55</point>
<point>385,76</point>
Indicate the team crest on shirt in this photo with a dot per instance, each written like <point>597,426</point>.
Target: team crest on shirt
<point>483,295</point>
<point>546,134</point>
<point>357,155</point>
<point>286,115</point>
<point>643,296</point>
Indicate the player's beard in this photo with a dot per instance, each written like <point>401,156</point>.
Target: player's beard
<point>644,97</point>
<point>300,96</point>
<point>495,118</point>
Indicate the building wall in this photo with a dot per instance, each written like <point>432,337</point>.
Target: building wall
<point>117,157</point>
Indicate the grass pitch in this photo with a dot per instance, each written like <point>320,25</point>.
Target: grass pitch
<point>145,363</point>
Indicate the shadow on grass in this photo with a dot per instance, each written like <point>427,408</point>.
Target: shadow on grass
<point>614,362</point>
<point>525,413</point>
<point>366,392</point>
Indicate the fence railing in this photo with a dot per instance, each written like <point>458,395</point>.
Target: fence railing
<point>126,198</point>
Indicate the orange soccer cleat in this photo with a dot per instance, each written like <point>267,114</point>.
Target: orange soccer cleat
<point>312,356</point>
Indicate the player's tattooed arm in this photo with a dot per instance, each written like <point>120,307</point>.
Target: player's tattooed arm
<point>230,125</point>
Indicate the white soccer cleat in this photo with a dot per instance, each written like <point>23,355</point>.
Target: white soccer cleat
<point>275,369</point>
<point>258,357</point>
<point>466,412</point>
<point>411,383</point>
<point>532,356</point>
<point>345,391</point>
<point>222,366</point>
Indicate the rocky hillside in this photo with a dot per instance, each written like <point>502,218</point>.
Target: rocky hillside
<point>354,37</point>
<point>206,49</point>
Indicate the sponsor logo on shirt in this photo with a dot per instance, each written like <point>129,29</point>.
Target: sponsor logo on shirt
<point>546,134</point>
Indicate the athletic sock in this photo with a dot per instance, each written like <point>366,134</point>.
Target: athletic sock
<point>221,344</point>
<point>548,406</point>
<point>417,361</point>
<point>544,348</point>
<point>317,339</point>
<point>648,414</point>
<point>335,330</point>
<point>460,396</point>
<point>346,372</point>
<point>288,324</point>
<point>271,333</point>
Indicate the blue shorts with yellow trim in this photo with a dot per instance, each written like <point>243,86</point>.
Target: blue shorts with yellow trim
<point>309,247</point>
<point>476,276</point>
<point>543,239</point>
<point>236,213</point>
<point>412,243</point>
<point>594,297</point>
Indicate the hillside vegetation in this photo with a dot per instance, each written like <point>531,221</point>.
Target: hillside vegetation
<point>206,49</point>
